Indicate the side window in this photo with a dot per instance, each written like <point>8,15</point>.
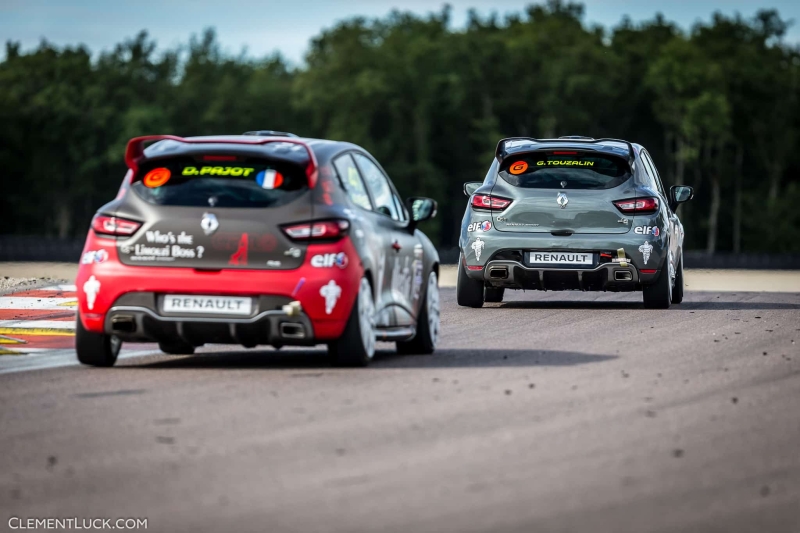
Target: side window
<point>400,208</point>
<point>352,181</point>
<point>656,177</point>
<point>648,171</point>
<point>378,186</point>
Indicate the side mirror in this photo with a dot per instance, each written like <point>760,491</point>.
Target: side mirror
<point>679,194</point>
<point>421,209</point>
<point>471,186</point>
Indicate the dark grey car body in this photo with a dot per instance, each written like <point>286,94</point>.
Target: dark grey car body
<point>395,256</point>
<point>625,252</point>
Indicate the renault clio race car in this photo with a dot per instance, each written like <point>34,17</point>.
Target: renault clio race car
<point>259,239</point>
<point>572,213</point>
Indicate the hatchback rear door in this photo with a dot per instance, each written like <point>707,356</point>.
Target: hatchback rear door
<point>213,210</point>
<point>570,191</point>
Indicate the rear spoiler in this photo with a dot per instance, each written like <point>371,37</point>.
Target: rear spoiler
<point>501,153</point>
<point>134,152</point>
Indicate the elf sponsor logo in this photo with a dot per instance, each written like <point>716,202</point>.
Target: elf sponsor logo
<point>328,260</point>
<point>647,230</point>
<point>482,226</point>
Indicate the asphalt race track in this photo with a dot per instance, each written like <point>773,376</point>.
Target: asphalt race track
<point>550,412</point>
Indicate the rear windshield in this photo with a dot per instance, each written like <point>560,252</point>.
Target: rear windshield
<point>220,183</point>
<point>565,170</point>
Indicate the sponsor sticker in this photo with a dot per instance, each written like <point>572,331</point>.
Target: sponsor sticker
<point>401,277</point>
<point>91,288</point>
<point>293,252</point>
<point>328,260</point>
<point>518,167</point>
<point>477,247</point>
<point>646,250</point>
<point>331,292</point>
<point>93,256</point>
<point>157,237</point>
<point>482,226</point>
<point>239,257</point>
<point>156,177</point>
<point>647,230</point>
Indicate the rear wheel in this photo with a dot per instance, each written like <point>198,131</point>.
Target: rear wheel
<point>356,346</point>
<point>95,349</point>
<point>493,294</point>
<point>659,294</point>
<point>424,342</point>
<point>677,290</point>
<point>176,348</point>
<point>469,292</point>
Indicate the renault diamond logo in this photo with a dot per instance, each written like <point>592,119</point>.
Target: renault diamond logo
<point>562,200</point>
<point>209,223</point>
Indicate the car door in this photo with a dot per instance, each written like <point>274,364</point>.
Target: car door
<point>391,220</point>
<point>675,229</point>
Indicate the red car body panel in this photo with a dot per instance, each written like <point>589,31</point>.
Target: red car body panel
<point>302,284</point>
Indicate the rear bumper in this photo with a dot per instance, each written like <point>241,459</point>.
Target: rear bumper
<point>275,327</point>
<point>129,297</point>
<point>604,277</point>
<point>645,256</point>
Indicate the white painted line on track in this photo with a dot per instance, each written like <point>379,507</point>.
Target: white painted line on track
<point>65,287</point>
<point>27,302</point>
<point>38,324</point>
<point>54,359</point>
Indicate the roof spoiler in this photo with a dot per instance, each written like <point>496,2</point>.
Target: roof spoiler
<point>501,154</point>
<point>134,152</point>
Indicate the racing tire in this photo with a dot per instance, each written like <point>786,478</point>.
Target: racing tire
<point>95,349</point>
<point>677,289</point>
<point>659,294</point>
<point>176,348</point>
<point>493,294</point>
<point>428,322</point>
<point>469,292</point>
<point>356,345</point>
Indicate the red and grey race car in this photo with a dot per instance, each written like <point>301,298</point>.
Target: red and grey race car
<point>258,239</point>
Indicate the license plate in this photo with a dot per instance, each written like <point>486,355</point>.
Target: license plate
<point>560,258</point>
<point>217,305</point>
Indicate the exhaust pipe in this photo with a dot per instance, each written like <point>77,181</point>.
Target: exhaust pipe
<point>123,324</point>
<point>623,275</point>
<point>292,330</point>
<point>498,273</point>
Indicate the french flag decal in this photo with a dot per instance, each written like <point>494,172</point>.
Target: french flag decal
<point>269,179</point>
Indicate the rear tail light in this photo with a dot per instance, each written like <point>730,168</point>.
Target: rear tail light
<point>105,225</point>
<point>487,201</point>
<point>637,206</point>
<point>319,230</point>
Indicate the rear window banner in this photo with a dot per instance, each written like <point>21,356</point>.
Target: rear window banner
<point>257,184</point>
<point>539,170</point>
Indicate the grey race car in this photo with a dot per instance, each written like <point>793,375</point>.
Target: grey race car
<point>572,213</point>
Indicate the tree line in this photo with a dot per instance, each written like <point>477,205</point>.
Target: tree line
<point>716,106</point>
